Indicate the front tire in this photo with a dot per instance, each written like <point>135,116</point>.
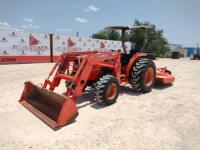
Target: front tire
<point>143,75</point>
<point>107,90</point>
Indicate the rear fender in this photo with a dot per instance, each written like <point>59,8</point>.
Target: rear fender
<point>133,60</point>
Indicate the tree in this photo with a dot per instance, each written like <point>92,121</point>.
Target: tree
<point>113,35</point>
<point>156,42</point>
<point>107,35</point>
<point>100,35</point>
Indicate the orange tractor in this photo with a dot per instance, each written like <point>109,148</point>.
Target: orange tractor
<point>104,71</point>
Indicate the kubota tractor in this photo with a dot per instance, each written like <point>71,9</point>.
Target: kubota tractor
<point>104,71</point>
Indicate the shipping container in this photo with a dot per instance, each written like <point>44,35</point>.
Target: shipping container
<point>190,51</point>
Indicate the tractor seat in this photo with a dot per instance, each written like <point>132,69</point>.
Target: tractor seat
<point>125,58</point>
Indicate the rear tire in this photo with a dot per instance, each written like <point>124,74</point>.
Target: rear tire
<point>143,75</point>
<point>107,90</point>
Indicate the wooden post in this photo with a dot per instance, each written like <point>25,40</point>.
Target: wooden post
<point>51,47</point>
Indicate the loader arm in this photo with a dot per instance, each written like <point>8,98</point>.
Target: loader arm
<point>81,76</point>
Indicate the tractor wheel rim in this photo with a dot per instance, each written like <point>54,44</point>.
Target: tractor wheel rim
<point>149,76</point>
<point>111,91</point>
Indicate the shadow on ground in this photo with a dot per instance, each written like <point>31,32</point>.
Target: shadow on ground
<point>88,97</point>
<point>162,87</point>
<point>128,91</point>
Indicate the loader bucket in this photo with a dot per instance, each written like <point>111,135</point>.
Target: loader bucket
<point>53,109</point>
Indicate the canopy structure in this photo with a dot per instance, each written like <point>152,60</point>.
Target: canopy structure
<point>128,27</point>
<point>125,28</point>
<point>118,27</point>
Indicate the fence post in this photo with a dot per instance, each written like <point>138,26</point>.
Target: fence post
<point>51,47</point>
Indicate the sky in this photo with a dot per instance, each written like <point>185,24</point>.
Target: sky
<point>179,19</point>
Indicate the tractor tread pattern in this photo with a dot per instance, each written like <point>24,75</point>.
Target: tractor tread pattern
<point>137,74</point>
<point>100,87</point>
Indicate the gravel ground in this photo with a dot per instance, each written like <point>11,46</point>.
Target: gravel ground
<point>167,118</point>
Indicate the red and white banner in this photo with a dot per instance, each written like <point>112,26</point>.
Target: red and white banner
<point>39,44</point>
<point>17,46</point>
<point>13,43</point>
<point>63,44</point>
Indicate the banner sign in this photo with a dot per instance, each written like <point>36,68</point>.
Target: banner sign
<point>39,44</point>
<point>18,46</point>
<point>17,43</point>
<point>63,44</point>
<point>13,43</point>
<point>22,47</point>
